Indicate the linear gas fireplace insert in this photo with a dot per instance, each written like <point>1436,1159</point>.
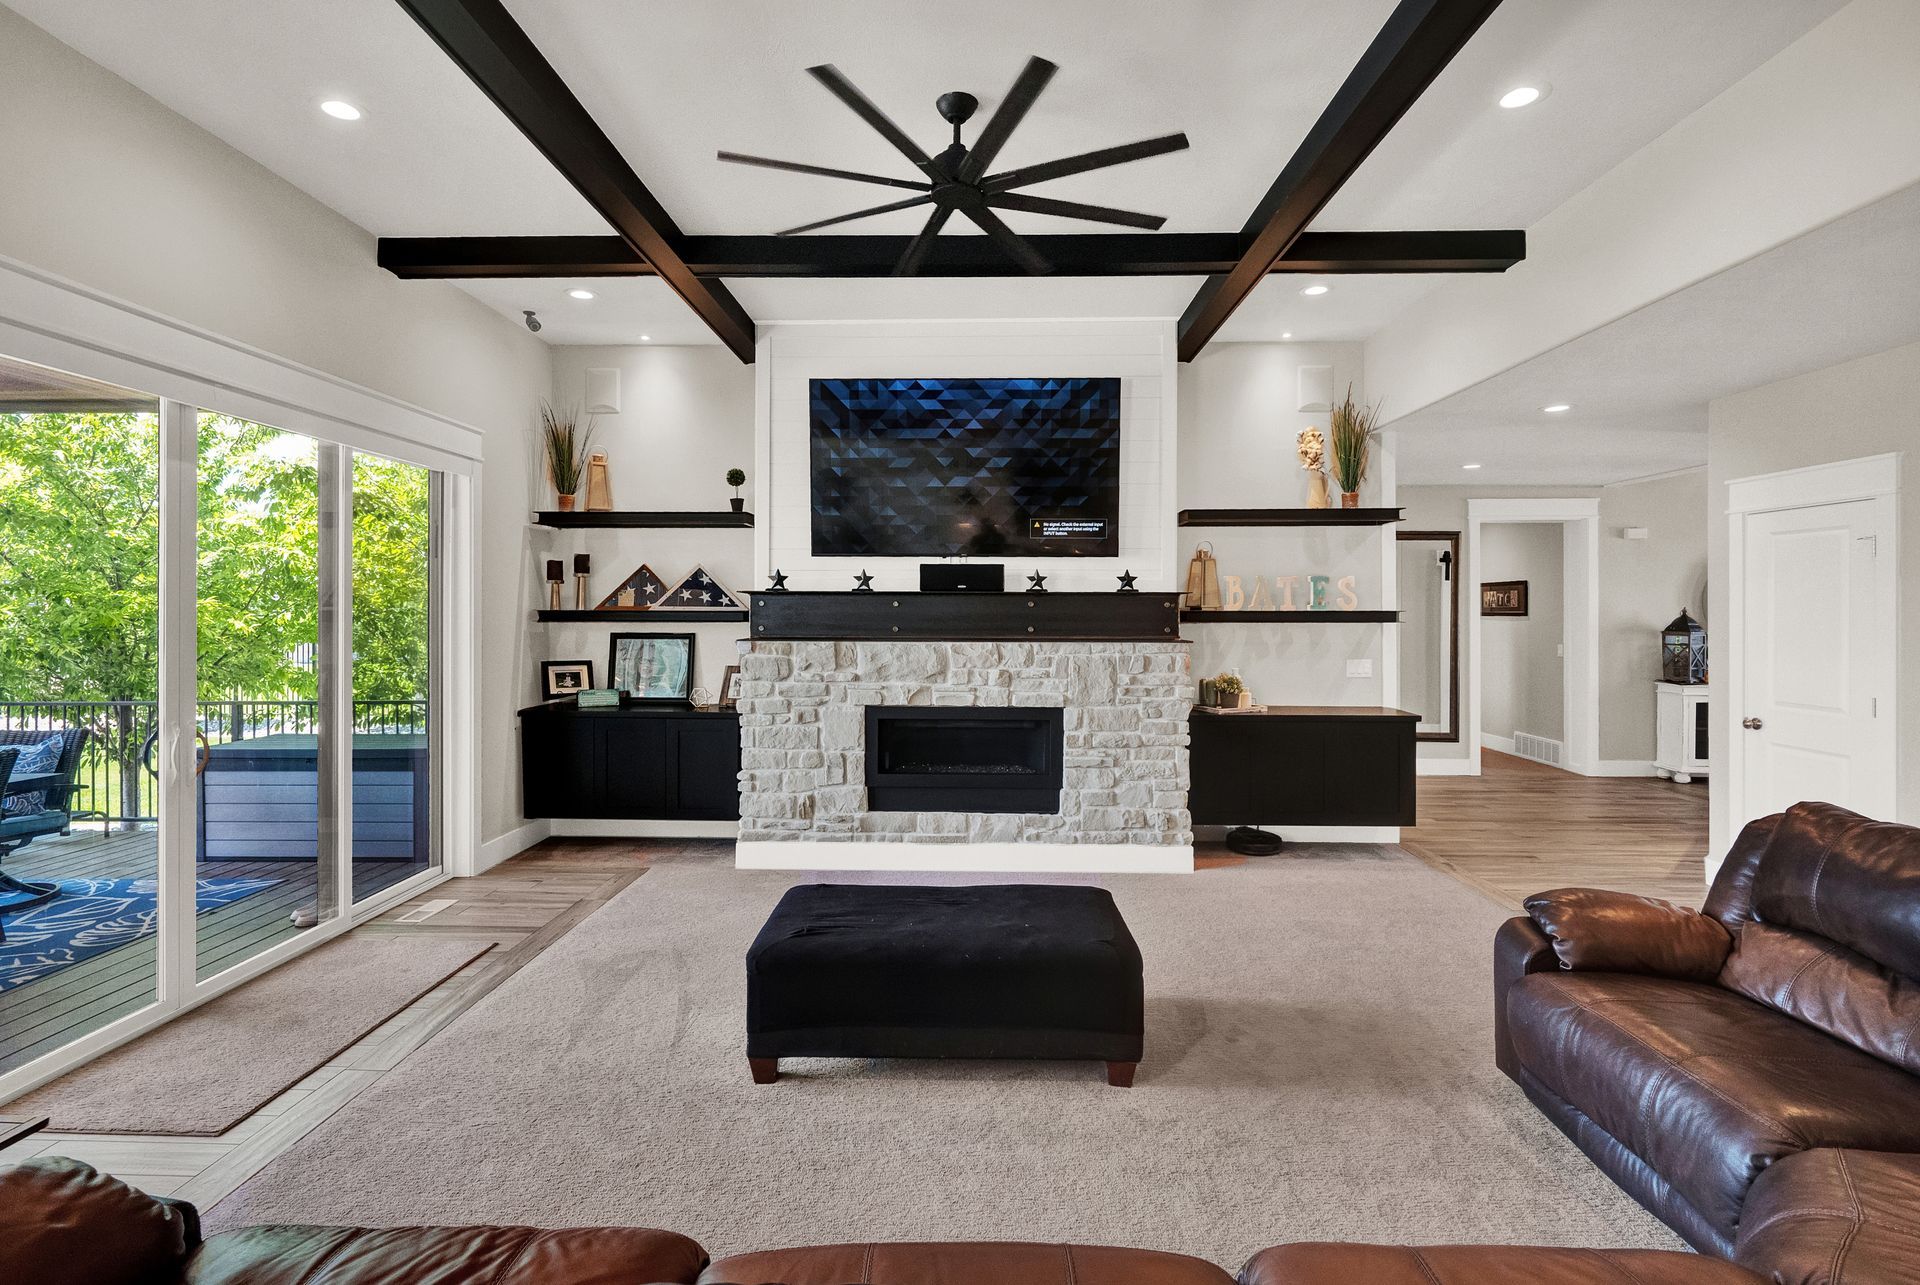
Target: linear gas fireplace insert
<point>972,759</point>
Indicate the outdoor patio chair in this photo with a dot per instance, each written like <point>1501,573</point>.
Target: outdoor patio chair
<point>51,817</point>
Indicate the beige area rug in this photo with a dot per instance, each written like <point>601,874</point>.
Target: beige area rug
<point>1318,1066</point>
<point>207,1071</point>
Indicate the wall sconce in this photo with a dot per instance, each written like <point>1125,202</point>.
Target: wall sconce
<point>603,390</point>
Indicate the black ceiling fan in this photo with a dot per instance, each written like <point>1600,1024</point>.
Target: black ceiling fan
<point>956,181</point>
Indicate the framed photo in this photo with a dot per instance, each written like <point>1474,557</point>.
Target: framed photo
<point>651,667</point>
<point>1503,598</point>
<point>730,687</point>
<point>564,678</point>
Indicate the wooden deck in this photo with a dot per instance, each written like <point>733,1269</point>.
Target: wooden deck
<point>43,1015</point>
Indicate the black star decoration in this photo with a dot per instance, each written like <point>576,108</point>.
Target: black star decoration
<point>1036,583</point>
<point>1126,583</point>
<point>779,584</point>
<point>863,583</point>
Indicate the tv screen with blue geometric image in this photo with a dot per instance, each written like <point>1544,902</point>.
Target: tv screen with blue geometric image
<point>978,467</point>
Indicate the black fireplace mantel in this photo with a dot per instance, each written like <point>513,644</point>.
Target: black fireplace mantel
<point>967,617</point>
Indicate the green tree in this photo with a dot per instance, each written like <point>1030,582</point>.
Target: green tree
<point>79,556</point>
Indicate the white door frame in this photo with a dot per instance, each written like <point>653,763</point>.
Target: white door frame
<point>1874,478</point>
<point>1579,520</point>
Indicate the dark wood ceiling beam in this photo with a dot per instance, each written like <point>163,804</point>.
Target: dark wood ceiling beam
<point>1176,254</point>
<point>1415,46</point>
<point>482,37</point>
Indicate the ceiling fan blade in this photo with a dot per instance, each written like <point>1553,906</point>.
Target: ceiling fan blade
<point>767,162</point>
<point>842,88</point>
<point>1075,210</point>
<point>907,204</point>
<point>918,248</point>
<point>1010,241</point>
<point>1087,161</point>
<point>1013,108</point>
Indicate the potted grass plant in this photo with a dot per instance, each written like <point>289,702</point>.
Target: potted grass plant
<point>1351,431</point>
<point>564,440</point>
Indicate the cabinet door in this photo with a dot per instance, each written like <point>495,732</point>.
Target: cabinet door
<point>1368,769</point>
<point>558,773</point>
<point>634,767</point>
<point>1221,759</point>
<point>708,765</point>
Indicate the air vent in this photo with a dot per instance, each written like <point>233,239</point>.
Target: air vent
<point>1540,749</point>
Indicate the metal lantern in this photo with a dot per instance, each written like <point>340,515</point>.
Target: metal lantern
<point>1683,651</point>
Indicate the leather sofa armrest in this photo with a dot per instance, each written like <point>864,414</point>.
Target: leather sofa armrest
<point>1615,932</point>
<point>1519,948</point>
<point>65,1223</point>
<point>1834,1217</point>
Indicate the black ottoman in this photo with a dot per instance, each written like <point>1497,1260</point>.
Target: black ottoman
<point>1003,971</point>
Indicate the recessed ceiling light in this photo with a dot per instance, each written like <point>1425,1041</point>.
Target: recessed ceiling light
<point>1469,466</point>
<point>1286,334</point>
<point>1558,408</point>
<point>1315,289</point>
<point>339,110</point>
<point>646,339</point>
<point>1522,96</point>
<point>579,294</point>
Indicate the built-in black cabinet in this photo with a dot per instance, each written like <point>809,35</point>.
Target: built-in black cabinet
<point>1329,765</point>
<point>636,762</point>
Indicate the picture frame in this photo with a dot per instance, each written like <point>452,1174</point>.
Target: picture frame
<point>730,688</point>
<point>1503,598</point>
<point>562,678</point>
<point>651,667</point>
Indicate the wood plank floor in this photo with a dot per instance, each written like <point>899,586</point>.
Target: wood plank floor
<point>1523,828</point>
<point>525,905</point>
<point>44,1015</point>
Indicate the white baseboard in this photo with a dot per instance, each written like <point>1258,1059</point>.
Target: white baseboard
<point>511,844</point>
<point>576,828</point>
<point>1504,744</point>
<point>1623,767</point>
<point>1442,767</point>
<point>995,858</point>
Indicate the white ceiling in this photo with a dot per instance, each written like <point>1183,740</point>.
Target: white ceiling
<point>1639,387</point>
<point>673,82</point>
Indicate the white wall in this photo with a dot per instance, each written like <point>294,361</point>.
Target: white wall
<point>686,417</point>
<point>1865,407</point>
<point>106,187</point>
<point>1140,353</point>
<point>1521,669</point>
<point>1238,427</point>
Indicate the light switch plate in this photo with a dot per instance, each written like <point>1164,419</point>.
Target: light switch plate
<point>1360,669</point>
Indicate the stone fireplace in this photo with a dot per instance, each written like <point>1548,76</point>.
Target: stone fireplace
<point>1014,756</point>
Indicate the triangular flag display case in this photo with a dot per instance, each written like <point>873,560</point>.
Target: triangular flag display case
<point>646,586</point>
<point>698,592</point>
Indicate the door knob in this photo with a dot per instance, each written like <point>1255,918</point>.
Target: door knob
<point>1751,724</point>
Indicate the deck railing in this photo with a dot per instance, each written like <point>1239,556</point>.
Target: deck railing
<point>116,773</point>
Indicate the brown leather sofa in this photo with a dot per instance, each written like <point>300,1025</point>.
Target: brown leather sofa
<point>63,1223</point>
<point>1749,1072</point>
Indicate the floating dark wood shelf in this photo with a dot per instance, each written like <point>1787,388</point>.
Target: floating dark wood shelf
<point>1288,517</point>
<point>1197,616</point>
<point>643,518</point>
<point>628,615</point>
<point>963,617</point>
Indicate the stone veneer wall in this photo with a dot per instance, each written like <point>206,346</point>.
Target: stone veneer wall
<point>803,753</point>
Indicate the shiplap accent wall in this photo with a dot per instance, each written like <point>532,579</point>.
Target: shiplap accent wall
<point>1139,352</point>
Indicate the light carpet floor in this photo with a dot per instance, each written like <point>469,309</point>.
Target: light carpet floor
<point>207,1071</point>
<point>1318,1066</point>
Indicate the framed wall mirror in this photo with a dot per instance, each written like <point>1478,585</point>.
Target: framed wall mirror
<point>1430,631</point>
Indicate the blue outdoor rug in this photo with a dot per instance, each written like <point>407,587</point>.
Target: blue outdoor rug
<point>95,915</point>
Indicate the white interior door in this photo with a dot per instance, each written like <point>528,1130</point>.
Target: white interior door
<point>1816,715</point>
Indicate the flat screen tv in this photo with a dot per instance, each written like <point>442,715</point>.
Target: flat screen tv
<point>977,467</point>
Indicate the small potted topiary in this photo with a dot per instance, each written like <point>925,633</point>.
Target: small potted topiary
<point>737,479</point>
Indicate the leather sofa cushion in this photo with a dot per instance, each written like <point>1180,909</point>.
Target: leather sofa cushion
<point>297,1255</point>
<point>1830,987</point>
<point>65,1223</point>
<point>1838,875</point>
<point>963,1263</point>
<point>1730,899</point>
<point>1835,1217</point>
<point>1706,1086</point>
<point>1327,1264</point>
<point>1596,930</point>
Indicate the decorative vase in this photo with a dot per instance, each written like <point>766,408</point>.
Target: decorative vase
<point>564,503</point>
<point>1349,499</point>
<point>1317,494</point>
<point>739,504</point>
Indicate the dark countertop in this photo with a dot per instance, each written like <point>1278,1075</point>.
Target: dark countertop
<point>654,709</point>
<point>1314,711</point>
